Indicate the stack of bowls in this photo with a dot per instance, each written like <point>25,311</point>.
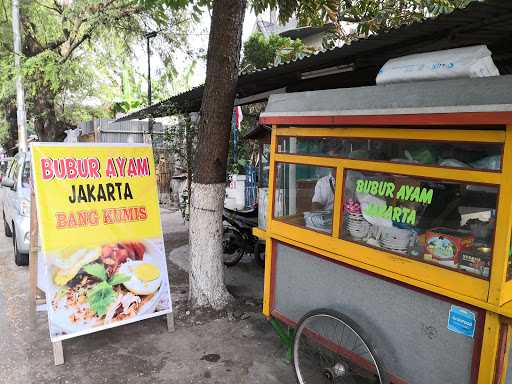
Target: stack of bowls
<point>356,225</point>
<point>320,220</point>
<point>354,221</point>
<point>395,239</point>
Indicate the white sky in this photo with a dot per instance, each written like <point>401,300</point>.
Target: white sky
<point>200,74</point>
<point>197,40</point>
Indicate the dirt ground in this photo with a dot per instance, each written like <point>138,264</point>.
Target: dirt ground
<point>236,345</point>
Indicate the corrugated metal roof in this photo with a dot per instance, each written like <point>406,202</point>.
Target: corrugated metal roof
<point>302,32</point>
<point>488,22</point>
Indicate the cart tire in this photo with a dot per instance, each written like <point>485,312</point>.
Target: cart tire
<point>7,230</point>
<point>20,259</point>
<point>326,358</point>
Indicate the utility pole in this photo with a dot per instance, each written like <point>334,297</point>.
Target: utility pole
<point>20,95</point>
<point>149,36</point>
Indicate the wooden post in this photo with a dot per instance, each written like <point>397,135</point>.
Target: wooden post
<point>32,262</point>
<point>95,129</point>
<point>58,353</point>
<point>170,322</point>
<point>33,249</point>
<point>37,296</point>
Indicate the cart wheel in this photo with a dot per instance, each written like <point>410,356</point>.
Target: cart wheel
<point>330,348</point>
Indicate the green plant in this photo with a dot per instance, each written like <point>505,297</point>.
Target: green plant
<point>363,17</point>
<point>260,51</point>
<point>75,55</point>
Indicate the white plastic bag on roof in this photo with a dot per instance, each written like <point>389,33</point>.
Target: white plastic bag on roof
<point>473,61</point>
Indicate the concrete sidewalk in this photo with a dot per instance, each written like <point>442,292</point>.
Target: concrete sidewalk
<point>243,280</point>
<point>233,346</point>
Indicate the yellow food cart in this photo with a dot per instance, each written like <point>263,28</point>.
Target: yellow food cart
<point>388,231</point>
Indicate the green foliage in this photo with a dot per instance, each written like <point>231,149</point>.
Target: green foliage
<point>260,52</point>
<point>7,85</point>
<point>171,82</point>
<point>75,54</point>
<point>132,97</point>
<point>4,131</point>
<point>367,16</point>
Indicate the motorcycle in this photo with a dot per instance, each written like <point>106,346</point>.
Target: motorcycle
<point>238,238</point>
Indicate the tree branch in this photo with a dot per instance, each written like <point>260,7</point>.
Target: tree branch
<point>58,6</point>
<point>76,44</point>
<point>59,11</point>
<point>5,12</point>
<point>49,46</point>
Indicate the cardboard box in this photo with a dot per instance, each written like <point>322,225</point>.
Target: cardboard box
<point>445,245</point>
<point>476,260</point>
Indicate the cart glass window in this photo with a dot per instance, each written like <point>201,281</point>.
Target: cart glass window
<point>264,165</point>
<point>442,222</point>
<point>445,154</point>
<point>304,195</point>
<point>509,264</point>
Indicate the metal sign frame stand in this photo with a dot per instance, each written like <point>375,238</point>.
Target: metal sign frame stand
<point>37,297</point>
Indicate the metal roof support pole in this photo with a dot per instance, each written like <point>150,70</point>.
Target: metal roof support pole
<point>149,36</point>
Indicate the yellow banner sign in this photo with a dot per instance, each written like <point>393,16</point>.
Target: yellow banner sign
<point>101,235</point>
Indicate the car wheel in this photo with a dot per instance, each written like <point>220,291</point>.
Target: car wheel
<point>20,259</point>
<point>7,230</point>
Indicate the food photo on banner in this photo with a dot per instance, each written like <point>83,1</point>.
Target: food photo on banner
<point>101,238</point>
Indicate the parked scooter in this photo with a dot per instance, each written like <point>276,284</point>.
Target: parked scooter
<point>238,238</point>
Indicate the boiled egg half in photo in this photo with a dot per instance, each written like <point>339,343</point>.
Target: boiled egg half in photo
<point>145,277</point>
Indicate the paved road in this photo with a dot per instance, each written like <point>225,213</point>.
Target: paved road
<point>15,322</point>
<point>248,350</point>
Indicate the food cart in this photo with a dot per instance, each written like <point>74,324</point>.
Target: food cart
<point>389,220</point>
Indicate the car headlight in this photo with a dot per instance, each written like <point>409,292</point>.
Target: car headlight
<point>24,208</point>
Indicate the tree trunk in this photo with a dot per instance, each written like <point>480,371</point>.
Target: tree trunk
<point>207,201</point>
<point>10,113</point>
<point>46,124</point>
<point>206,277</point>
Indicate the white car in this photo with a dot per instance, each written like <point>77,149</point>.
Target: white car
<point>16,206</point>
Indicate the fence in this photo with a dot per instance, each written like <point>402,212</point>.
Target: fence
<point>134,131</point>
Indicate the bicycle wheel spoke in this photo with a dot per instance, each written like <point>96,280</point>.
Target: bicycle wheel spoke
<point>328,350</point>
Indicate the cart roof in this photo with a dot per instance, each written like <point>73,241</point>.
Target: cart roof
<point>456,101</point>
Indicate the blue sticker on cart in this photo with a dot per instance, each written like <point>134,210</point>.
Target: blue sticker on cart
<point>462,320</point>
